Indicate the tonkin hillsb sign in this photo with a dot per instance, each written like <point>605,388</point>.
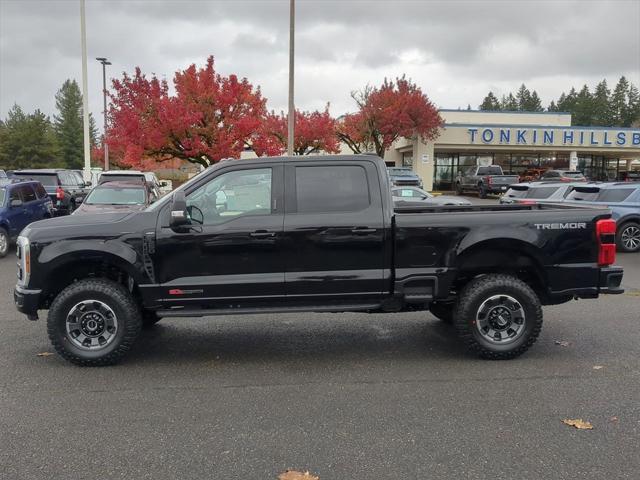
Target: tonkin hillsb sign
<point>555,136</point>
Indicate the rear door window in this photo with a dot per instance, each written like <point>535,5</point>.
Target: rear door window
<point>336,189</point>
<point>613,195</point>
<point>40,191</point>
<point>28,195</point>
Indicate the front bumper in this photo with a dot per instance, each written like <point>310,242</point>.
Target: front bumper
<point>610,280</point>
<point>27,301</point>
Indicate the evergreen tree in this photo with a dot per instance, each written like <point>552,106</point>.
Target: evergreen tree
<point>534,105</point>
<point>68,124</point>
<point>583,108</point>
<point>27,140</point>
<point>552,107</point>
<point>490,103</point>
<point>509,103</point>
<point>618,102</point>
<point>601,107</point>
<point>523,96</point>
<point>631,115</point>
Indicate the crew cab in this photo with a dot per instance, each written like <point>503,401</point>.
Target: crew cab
<point>318,234</point>
<point>484,180</point>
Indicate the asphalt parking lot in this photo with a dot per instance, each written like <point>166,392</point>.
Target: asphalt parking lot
<point>345,396</point>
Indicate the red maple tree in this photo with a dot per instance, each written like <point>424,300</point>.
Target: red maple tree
<point>385,113</point>
<point>313,132</point>
<point>210,117</point>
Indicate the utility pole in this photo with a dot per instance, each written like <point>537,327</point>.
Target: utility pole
<point>104,63</point>
<point>290,132</point>
<point>85,95</point>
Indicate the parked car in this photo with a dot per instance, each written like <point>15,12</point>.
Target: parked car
<point>403,176</point>
<point>623,198</point>
<point>64,188</point>
<point>538,192</point>
<point>117,197</point>
<point>85,184</point>
<point>286,234</point>
<point>484,180</point>
<point>166,186</point>
<point>3,175</point>
<point>563,176</point>
<point>405,196</point>
<point>20,204</point>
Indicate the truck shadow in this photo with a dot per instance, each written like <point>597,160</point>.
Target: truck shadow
<point>252,338</point>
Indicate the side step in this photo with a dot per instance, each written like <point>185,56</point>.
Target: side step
<point>204,312</point>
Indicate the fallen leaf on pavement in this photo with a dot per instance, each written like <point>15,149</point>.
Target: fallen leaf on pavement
<point>598,367</point>
<point>44,354</point>
<point>294,475</point>
<point>562,343</point>
<point>578,423</point>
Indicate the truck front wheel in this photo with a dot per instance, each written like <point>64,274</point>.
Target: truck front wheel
<point>498,316</point>
<point>94,322</point>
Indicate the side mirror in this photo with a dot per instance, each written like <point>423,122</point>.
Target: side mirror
<point>16,203</point>
<point>179,217</point>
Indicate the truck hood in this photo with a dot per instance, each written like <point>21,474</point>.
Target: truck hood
<point>90,225</point>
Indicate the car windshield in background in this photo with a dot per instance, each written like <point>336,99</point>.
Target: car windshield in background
<point>489,171</point>
<point>584,194</point>
<point>401,172</point>
<point>541,193</point>
<point>46,180</point>
<point>116,196</point>
<point>614,195</point>
<point>409,193</point>
<point>575,174</point>
<point>122,178</point>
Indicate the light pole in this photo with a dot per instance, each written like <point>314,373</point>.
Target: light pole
<point>290,133</point>
<point>104,63</point>
<point>85,94</point>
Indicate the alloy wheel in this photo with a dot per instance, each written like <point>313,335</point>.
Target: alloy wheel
<point>500,319</point>
<point>91,325</point>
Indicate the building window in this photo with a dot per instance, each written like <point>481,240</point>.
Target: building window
<point>407,159</point>
<point>445,170</point>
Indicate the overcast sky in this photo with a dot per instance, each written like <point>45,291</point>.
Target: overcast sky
<point>455,50</point>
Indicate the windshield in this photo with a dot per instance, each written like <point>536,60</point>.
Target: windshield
<point>410,193</point>
<point>116,196</point>
<point>49,180</point>
<point>401,172</point>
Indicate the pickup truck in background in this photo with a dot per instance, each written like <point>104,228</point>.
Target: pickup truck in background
<point>403,177</point>
<point>484,180</point>
<point>317,234</point>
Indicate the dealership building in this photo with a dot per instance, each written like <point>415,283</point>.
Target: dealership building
<point>521,143</point>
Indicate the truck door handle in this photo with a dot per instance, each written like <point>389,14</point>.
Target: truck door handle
<point>362,230</point>
<point>262,234</point>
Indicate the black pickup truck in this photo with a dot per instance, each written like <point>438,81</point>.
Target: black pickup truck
<point>309,234</point>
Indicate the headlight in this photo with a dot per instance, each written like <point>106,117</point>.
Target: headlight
<point>23,251</point>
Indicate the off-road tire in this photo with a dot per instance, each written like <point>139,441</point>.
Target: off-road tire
<point>149,318</point>
<point>110,293</point>
<point>631,227</point>
<point>6,242</point>
<point>442,311</point>
<point>475,293</point>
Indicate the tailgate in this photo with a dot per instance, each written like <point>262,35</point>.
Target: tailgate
<point>504,179</point>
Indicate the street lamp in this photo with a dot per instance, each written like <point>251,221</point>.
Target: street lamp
<point>104,63</point>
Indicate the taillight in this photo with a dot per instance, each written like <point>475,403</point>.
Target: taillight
<point>59,193</point>
<point>606,236</point>
<point>527,202</point>
<point>489,180</point>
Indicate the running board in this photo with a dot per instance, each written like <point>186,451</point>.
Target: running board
<point>189,312</point>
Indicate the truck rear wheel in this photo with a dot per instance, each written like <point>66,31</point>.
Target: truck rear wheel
<point>4,242</point>
<point>498,316</point>
<point>482,191</point>
<point>94,322</point>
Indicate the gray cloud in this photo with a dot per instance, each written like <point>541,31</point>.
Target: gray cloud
<point>456,50</point>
